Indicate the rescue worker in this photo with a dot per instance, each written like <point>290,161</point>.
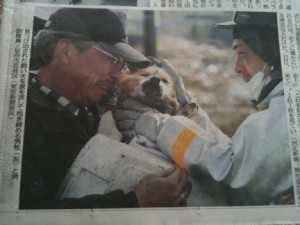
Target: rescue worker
<point>255,163</point>
<point>82,53</point>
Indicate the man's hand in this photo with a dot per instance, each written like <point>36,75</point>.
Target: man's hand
<point>165,189</point>
<point>286,200</point>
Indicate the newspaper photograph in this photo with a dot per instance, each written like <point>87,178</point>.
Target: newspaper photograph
<point>149,112</point>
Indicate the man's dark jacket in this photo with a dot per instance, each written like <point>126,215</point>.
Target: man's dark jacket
<point>53,139</point>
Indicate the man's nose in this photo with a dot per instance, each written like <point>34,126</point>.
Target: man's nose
<point>238,66</point>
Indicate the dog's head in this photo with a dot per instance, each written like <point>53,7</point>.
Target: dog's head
<point>152,86</point>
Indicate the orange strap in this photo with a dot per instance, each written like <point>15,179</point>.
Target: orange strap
<point>180,146</point>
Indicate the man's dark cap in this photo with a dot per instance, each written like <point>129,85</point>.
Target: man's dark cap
<point>100,25</point>
<point>259,31</point>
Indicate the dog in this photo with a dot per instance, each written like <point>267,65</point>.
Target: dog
<point>155,88</point>
<point>151,86</point>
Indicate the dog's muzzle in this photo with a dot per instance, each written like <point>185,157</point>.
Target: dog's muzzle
<point>152,87</point>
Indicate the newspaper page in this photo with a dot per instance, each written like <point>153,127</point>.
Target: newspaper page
<point>241,156</point>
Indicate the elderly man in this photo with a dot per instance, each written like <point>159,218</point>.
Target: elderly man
<point>82,53</point>
<point>255,164</point>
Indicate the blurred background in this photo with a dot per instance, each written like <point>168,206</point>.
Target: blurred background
<point>201,53</point>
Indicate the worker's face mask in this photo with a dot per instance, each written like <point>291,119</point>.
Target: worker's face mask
<point>256,84</point>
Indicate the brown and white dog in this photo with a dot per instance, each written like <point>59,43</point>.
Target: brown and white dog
<point>153,87</point>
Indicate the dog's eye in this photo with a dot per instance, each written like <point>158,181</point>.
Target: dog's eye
<point>165,81</point>
<point>143,74</point>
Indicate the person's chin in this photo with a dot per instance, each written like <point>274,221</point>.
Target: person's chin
<point>97,98</point>
<point>246,78</point>
<point>96,95</point>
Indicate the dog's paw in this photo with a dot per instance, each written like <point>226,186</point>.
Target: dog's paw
<point>188,110</point>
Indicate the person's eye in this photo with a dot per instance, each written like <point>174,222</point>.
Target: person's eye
<point>241,54</point>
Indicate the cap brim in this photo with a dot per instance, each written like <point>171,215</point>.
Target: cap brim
<point>226,25</point>
<point>124,50</point>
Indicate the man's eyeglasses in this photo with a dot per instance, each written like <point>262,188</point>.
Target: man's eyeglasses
<point>118,63</point>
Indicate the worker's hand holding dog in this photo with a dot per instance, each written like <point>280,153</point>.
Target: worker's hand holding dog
<point>134,118</point>
<point>165,189</point>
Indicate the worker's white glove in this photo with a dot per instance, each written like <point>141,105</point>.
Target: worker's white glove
<point>134,118</point>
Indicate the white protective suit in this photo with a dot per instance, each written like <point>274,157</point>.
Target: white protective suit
<point>256,162</point>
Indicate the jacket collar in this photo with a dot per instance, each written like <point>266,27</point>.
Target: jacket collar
<point>272,89</point>
<point>61,103</point>
<point>276,92</point>
<point>46,111</point>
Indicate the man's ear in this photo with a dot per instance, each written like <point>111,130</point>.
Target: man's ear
<point>63,51</point>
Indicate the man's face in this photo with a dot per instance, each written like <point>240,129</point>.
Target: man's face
<point>93,73</point>
<point>247,63</point>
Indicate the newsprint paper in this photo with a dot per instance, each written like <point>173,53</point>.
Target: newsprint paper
<point>212,70</point>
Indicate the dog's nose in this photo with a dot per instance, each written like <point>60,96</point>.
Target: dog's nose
<point>154,81</point>
<point>152,86</point>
